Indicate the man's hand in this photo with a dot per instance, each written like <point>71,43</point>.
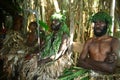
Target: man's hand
<point>111,58</point>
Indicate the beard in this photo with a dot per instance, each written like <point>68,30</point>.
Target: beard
<point>101,32</point>
<point>56,27</point>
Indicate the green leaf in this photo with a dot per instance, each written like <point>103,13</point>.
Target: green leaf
<point>85,78</point>
<point>73,72</point>
<point>43,24</point>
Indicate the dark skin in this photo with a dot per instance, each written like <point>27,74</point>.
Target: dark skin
<point>100,53</point>
<point>32,36</point>
<point>17,25</point>
<point>55,25</point>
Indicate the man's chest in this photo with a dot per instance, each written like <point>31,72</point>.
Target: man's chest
<point>101,47</point>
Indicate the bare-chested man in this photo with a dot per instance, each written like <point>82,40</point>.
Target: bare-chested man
<point>32,35</point>
<point>100,53</point>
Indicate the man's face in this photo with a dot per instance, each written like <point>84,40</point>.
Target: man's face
<point>32,28</point>
<point>55,25</point>
<point>100,28</point>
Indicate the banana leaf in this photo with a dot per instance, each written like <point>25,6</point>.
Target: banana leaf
<point>74,72</point>
<point>43,25</point>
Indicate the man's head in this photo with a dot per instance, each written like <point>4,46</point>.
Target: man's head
<point>55,25</point>
<point>57,20</point>
<point>101,23</point>
<point>32,26</point>
<point>18,23</point>
<point>100,28</point>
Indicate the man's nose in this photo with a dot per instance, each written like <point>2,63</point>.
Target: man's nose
<point>97,24</point>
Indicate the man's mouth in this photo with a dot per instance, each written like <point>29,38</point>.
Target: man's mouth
<point>98,30</point>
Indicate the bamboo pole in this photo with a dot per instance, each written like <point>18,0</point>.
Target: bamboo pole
<point>43,9</point>
<point>112,14</point>
<point>56,6</point>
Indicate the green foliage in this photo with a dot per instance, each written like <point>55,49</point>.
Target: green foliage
<point>65,29</point>
<point>102,16</point>
<point>52,44</point>
<point>60,16</point>
<point>74,72</point>
<point>53,41</point>
<point>43,24</point>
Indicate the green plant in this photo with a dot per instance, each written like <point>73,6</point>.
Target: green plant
<point>74,72</point>
<point>43,25</point>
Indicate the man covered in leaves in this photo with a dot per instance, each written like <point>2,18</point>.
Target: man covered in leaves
<point>54,57</point>
<point>14,36</point>
<point>100,53</point>
<point>57,41</point>
<point>13,48</point>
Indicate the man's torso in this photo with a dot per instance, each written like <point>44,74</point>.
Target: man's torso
<point>100,48</point>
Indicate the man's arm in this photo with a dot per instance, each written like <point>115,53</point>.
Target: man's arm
<point>96,65</point>
<point>100,66</point>
<point>116,49</point>
<point>109,65</point>
<point>86,62</point>
<point>84,54</point>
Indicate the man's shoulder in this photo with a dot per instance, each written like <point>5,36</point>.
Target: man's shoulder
<point>89,40</point>
<point>114,39</point>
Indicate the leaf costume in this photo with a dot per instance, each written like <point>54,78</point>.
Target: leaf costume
<point>102,16</point>
<point>54,40</point>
